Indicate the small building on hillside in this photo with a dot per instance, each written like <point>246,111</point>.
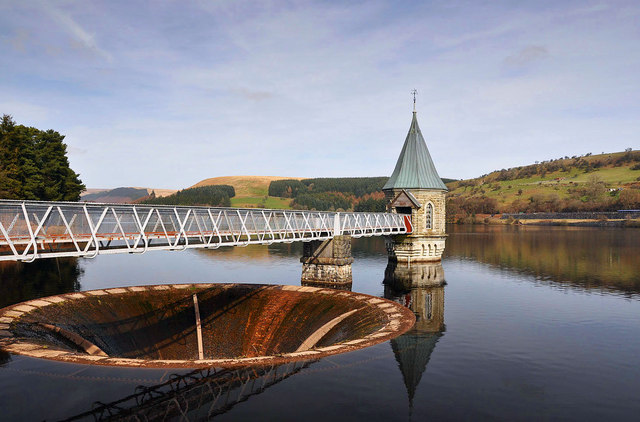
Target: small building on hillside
<point>416,190</point>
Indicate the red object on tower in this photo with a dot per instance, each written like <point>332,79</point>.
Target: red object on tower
<point>407,223</point>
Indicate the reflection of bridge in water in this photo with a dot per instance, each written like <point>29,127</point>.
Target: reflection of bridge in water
<point>30,230</point>
<point>197,395</point>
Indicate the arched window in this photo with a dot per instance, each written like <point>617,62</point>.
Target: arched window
<point>429,216</point>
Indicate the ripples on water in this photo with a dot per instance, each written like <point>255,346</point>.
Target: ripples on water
<point>533,323</point>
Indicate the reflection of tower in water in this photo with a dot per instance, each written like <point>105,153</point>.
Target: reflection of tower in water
<point>420,287</point>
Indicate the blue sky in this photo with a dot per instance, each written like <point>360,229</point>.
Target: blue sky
<point>164,94</point>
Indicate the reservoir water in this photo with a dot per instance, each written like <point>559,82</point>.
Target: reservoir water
<point>534,323</point>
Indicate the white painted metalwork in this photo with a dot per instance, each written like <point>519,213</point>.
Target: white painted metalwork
<point>31,229</point>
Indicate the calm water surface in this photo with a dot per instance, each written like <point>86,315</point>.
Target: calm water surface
<point>533,324</point>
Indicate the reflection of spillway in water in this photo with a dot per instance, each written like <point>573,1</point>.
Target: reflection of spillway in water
<point>420,288</point>
<point>197,395</point>
<point>199,325</point>
<point>4,357</point>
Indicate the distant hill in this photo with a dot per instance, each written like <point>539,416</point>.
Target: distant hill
<point>211,195</point>
<point>251,191</point>
<point>320,193</point>
<point>334,193</point>
<point>122,195</point>
<point>581,183</point>
<point>244,185</point>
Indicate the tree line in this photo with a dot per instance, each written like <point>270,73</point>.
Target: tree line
<point>360,194</point>
<point>357,186</point>
<point>34,164</point>
<point>586,163</point>
<point>335,193</point>
<point>213,195</point>
<point>590,196</point>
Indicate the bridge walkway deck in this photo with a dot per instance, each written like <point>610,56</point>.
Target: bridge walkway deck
<point>31,230</point>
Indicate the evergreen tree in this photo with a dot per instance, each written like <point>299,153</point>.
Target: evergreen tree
<point>60,182</point>
<point>212,195</point>
<point>34,164</point>
<point>10,185</point>
<point>30,174</point>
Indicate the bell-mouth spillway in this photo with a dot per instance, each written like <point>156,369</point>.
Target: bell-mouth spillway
<point>197,325</point>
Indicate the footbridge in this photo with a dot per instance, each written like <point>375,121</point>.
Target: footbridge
<point>30,230</point>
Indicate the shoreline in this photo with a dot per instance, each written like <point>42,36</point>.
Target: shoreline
<point>498,220</point>
<point>583,223</point>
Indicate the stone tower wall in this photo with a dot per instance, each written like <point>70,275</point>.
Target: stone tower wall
<point>419,216</point>
<point>423,244</point>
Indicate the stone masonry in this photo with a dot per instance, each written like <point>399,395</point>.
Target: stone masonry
<point>405,277</point>
<point>327,263</point>
<point>423,244</point>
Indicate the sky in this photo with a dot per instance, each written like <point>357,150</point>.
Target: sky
<point>164,94</point>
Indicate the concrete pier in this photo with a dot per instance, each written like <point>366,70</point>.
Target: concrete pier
<point>327,263</point>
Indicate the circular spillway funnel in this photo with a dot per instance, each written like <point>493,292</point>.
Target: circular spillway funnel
<point>196,325</point>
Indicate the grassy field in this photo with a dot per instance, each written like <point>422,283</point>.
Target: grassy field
<point>251,191</point>
<point>558,182</point>
<point>245,186</point>
<point>261,202</point>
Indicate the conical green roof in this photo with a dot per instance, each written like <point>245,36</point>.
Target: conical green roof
<point>415,169</point>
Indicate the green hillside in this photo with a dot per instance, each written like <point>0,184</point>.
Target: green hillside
<point>328,193</point>
<point>251,191</point>
<point>210,195</point>
<point>587,183</point>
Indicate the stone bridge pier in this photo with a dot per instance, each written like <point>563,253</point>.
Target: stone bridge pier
<point>327,263</point>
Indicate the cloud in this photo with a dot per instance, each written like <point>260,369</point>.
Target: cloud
<point>80,35</point>
<point>311,88</point>
<point>76,150</point>
<point>24,112</point>
<point>527,56</point>
<point>19,40</point>
<point>254,95</point>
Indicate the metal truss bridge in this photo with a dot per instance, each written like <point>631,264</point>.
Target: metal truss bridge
<point>32,229</point>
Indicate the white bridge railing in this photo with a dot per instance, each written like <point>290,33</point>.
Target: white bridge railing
<point>30,229</point>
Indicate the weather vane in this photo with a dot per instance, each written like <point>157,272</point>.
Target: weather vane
<point>414,92</point>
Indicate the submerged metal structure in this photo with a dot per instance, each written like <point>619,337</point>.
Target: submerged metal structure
<point>31,230</point>
<point>198,395</point>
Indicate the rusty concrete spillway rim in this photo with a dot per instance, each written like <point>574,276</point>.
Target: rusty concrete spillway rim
<point>399,319</point>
